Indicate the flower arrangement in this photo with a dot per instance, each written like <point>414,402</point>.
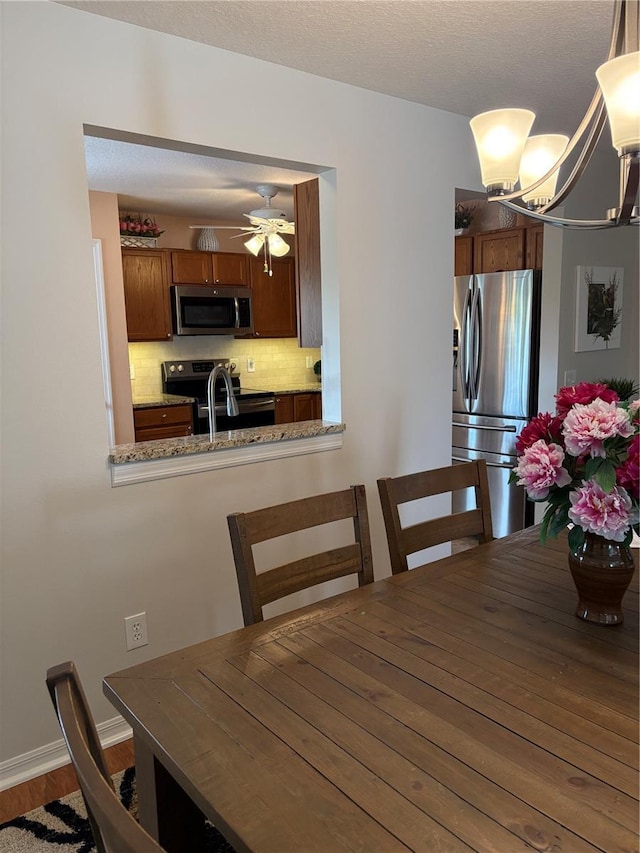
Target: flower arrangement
<point>463,215</point>
<point>584,461</point>
<point>137,225</point>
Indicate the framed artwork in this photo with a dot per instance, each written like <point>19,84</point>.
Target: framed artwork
<point>598,308</point>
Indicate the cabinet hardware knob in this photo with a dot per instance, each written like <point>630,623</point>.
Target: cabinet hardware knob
<point>163,415</point>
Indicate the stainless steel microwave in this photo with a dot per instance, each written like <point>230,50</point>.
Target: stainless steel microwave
<point>201,310</point>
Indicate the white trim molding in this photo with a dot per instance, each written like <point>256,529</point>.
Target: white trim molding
<point>124,474</point>
<point>49,757</point>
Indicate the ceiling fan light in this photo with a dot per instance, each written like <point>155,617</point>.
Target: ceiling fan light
<point>500,136</point>
<point>619,80</point>
<point>277,246</point>
<point>539,155</point>
<point>255,244</point>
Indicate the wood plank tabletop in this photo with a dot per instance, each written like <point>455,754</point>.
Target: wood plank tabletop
<point>459,706</point>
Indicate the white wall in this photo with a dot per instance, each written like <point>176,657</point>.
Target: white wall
<point>618,247</point>
<point>79,556</point>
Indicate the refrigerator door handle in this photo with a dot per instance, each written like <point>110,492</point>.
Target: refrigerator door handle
<point>463,355</point>
<point>489,464</point>
<point>480,426</point>
<point>476,347</point>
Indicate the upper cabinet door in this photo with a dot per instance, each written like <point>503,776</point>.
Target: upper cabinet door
<point>274,299</point>
<point>496,251</point>
<point>463,260</point>
<point>230,268</point>
<point>535,240</point>
<point>189,267</point>
<point>146,294</point>
<point>306,198</point>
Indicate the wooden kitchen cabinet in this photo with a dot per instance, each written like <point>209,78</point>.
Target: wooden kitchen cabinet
<point>163,422</point>
<point>274,298</point>
<point>534,241</point>
<point>494,251</point>
<point>190,267</point>
<point>463,260</point>
<point>284,409</point>
<point>306,406</point>
<point>146,294</point>
<point>292,408</point>
<point>230,268</point>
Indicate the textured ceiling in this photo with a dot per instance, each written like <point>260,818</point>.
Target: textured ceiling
<point>464,56</point>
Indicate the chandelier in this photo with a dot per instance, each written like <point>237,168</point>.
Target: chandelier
<point>507,154</point>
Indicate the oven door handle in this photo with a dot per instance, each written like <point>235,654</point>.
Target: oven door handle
<point>245,407</point>
<point>264,404</point>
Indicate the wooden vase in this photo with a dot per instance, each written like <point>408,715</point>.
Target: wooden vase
<point>602,571</point>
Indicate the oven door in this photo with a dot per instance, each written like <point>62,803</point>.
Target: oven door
<point>252,414</point>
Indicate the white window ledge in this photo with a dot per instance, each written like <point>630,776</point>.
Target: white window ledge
<point>158,460</point>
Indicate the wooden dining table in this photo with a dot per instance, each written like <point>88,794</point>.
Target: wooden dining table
<point>459,706</point>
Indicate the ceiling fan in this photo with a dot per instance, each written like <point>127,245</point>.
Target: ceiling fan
<point>267,224</point>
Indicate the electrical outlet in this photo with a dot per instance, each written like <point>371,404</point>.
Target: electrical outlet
<point>569,377</point>
<point>251,366</point>
<point>135,629</point>
<point>309,361</point>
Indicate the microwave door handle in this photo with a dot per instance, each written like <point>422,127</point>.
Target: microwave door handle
<point>236,306</point>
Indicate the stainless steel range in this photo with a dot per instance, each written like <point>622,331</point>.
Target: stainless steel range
<point>189,379</point>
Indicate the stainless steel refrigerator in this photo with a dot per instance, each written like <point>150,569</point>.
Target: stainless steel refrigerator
<point>496,343</point>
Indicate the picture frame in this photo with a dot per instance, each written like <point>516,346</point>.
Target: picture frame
<point>598,308</point>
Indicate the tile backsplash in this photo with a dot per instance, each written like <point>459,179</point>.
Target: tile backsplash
<point>278,360</point>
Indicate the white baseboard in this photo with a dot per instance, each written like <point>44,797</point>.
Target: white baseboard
<point>46,758</point>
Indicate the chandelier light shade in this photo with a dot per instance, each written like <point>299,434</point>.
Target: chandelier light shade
<point>619,80</point>
<point>500,137</point>
<point>540,154</point>
<point>507,155</point>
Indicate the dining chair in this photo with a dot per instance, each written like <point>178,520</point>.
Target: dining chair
<point>114,829</point>
<point>250,528</point>
<point>395,491</point>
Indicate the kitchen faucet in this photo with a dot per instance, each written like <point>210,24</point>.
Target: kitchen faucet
<point>232,404</point>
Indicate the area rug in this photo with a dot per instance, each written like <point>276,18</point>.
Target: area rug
<point>62,825</point>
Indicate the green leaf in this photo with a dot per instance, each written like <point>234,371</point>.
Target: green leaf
<point>592,467</point>
<point>605,476</point>
<point>576,538</point>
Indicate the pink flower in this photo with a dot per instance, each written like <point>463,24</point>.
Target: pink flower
<point>583,393</point>
<point>608,515</point>
<point>586,427</point>
<point>545,426</point>
<point>540,467</point>
<point>628,474</point>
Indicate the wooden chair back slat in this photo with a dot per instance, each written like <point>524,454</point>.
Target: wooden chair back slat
<point>250,528</point>
<point>395,491</point>
<point>114,829</point>
<point>283,519</point>
<point>301,574</point>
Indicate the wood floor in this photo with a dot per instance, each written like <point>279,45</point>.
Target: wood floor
<point>36,792</point>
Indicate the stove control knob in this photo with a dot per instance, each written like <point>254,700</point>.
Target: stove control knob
<point>180,368</point>
<point>172,368</point>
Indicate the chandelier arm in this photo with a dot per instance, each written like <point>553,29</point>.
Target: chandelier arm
<point>595,112</point>
<point>587,224</point>
<point>596,108</point>
<point>629,180</point>
<point>582,162</point>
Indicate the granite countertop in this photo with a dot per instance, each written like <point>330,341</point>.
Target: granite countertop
<point>160,400</point>
<point>168,447</point>
<point>277,388</point>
